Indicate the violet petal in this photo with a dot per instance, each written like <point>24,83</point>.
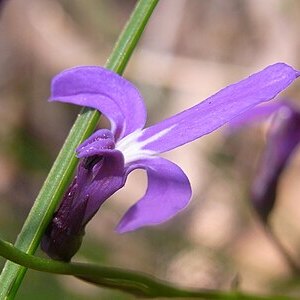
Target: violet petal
<point>99,141</point>
<point>218,109</point>
<point>168,192</point>
<point>104,181</point>
<point>104,90</point>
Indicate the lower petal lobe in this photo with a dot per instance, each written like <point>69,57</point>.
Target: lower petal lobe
<point>168,193</point>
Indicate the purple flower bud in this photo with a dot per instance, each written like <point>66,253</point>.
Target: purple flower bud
<point>283,138</point>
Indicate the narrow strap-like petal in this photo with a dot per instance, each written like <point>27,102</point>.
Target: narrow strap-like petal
<point>104,90</point>
<point>217,110</point>
<point>168,192</point>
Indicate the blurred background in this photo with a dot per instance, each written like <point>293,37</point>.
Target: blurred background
<point>190,49</point>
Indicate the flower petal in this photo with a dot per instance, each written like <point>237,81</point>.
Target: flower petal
<point>103,181</point>
<point>104,90</point>
<point>168,192</point>
<point>99,141</point>
<point>217,110</point>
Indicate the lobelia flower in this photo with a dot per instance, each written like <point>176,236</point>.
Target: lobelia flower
<point>108,156</point>
<point>283,137</point>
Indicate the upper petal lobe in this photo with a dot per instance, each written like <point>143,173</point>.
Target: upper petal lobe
<point>104,90</point>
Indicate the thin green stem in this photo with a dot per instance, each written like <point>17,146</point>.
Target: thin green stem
<point>63,168</point>
<point>138,284</point>
<point>291,263</point>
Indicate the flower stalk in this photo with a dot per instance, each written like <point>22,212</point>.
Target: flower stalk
<point>135,283</point>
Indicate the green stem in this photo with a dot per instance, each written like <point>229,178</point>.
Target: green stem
<point>291,263</point>
<point>138,284</point>
<point>63,168</point>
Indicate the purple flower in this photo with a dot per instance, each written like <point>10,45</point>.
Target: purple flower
<point>108,156</point>
<point>283,138</point>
